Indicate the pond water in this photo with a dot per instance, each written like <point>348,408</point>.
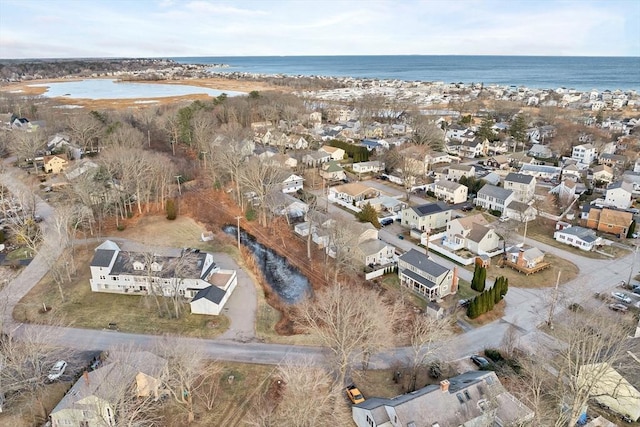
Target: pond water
<point>113,89</point>
<point>286,281</point>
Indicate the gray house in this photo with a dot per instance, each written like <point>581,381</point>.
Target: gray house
<point>472,399</point>
<point>493,198</point>
<point>425,276</point>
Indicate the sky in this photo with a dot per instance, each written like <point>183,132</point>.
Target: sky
<point>174,28</point>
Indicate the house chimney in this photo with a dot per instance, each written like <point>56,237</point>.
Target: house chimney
<point>444,386</point>
<point>85,375</point>
<point>520,258</point>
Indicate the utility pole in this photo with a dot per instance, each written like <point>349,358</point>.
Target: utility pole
<point>238,230</point>
<point>633,266</point>
<point>554,300</point>
<point>178,179</point>
<point>204,158</point>
<point>148,138</point>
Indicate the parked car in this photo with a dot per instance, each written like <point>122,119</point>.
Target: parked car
<point>636,290</point>
<point>354,394</point>
<point>618,307</point>
<point>400,236</point>
<point>57,370</point>
<point>385,222</point>
<point>480,361</point>
<point>466,208</point>
<point>620,296</point>
<point>503,219</point>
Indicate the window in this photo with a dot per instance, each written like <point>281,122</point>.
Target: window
<point>466,394</point>
<point>460,398</point>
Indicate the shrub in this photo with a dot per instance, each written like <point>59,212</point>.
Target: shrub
<point>435,370</point>
<point>250,215</point>
<point>493,354</point>
<point>172,211</point>
<point>121,227</point>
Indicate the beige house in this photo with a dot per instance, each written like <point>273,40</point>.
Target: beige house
<point>611,389</point>
<point>449,191</point>
<point>603,173</point>
<point>336,153</point>
<point>472,233</point>
<point>56,163</point>
<point>354,193</point>
<point>427,217</point>
<point>92,401</point>
<point>456,172</point>
<point>523,186</point>
<point>332,171</point>
<point>426,277</point>
<point>526,256</point>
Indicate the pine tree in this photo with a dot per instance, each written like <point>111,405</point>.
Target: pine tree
<point>474,281</point>
<point>518,128</point>
<point>472,309</point>
<point>505,287</point>
<point>368,214</point>
<point>482,278</point>
<point>495,293</point>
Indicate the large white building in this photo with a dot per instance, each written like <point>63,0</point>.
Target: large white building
<point>189,272</point>
<point>584,153</point>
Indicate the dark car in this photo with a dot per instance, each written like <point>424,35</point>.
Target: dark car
<point>466,208</point>
<point>480,361</point>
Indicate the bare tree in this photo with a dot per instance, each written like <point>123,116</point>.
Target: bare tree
<point>85,130</point>
<point>260,178</point>
<point>343,239</point>
<point>26,145</point>
<point>346,319</point>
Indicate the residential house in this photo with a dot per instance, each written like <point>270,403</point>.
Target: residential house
<point>520,211</point>
<point>472,233</point>
<point>362,238</point>
<point>571,171</point>
<point>492,178</point>
<point>523,186</point>
<point>525,256</point>
<point>579,237</point>
<point>455,172</point>
<point>189,273</point>
<point>353,193</point>
<point>373,166</point>
<point>603,173</point>
<point>56,163</point>
<point>449,191</point>
<point>316,158</point>
<point>292,183</point>
<point>613,160</point>
<point>438,157</point>
<point>298,143</point>
<point>472,399</point>
<point>459,133</point>
<point>540,151</point>
<point>282,204</point>
<point>611,389</point>
<point>427,217</point>
<point>493,198</point>
<point>498,162</point>
<point>336,153</point>
<point>474,148</point>
<point>92,400</point>
<point>584,153</point>
<point>609,221</point>
<point>541,171</point>
<point>426,277</point>
<point>332,171</point>
<point>282,160</point>
<point>387,204</point>
<point>566,190</point>
<point>370,144</point>
<point>619,194</point>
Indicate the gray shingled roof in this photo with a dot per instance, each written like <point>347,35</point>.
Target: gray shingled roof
<point>495,191</point>
<point>519,178</point>
<point>420,261</point>
<point>211,293</point>
<point>102,258</point>
<point>585,234</point>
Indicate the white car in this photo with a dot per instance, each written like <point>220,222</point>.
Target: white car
<point>57,370</point>
<point>621,297</point>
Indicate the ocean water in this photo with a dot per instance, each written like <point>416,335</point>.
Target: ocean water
<point>110,89</point>
<point>541,72</point>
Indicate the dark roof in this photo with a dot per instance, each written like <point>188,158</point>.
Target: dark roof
<point>211,293</point>
<point>418,278</point>
<point>420,261</point>
<point>102,258</point>
<point>495,191</point>
<point>429,208</point>
<point>519,178</point>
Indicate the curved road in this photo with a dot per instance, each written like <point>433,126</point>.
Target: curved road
<point>525,310</point>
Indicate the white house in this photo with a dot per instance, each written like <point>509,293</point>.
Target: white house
<point>335,152</point>
<point>578,237</point>
<point>540,171</point>
<point>619,194</point>
<point>520,211</point>
<point>455,172</point>
<point>472,233</point>
<point>584,153</point>
<point>493,197</point>
<point>449,191</point>
<point>373,166</point>
<point>292,183</point>
<point>523,186</point>
<point>190,273</point>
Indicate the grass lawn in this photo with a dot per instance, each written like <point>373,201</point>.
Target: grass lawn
<point>391,283</point>
<point>28,412</point>
<point>20,253</point>
<point>94,310</point>
<point>542,231</point>
<point>464,290</point>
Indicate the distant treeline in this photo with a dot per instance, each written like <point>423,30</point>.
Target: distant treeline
<point>27,69</point>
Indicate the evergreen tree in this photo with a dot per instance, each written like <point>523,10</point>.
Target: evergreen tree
<point>474,280</point>
<point>485,131</point>
<point>632,229</point>
<point>482,278</point>
<point>518,128</point>
<point>472,309</point>
<point>505,287</point>
<point>489,300</point>
<point>495,293</point>
<point>368,214</point>
<point>171,210</point>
